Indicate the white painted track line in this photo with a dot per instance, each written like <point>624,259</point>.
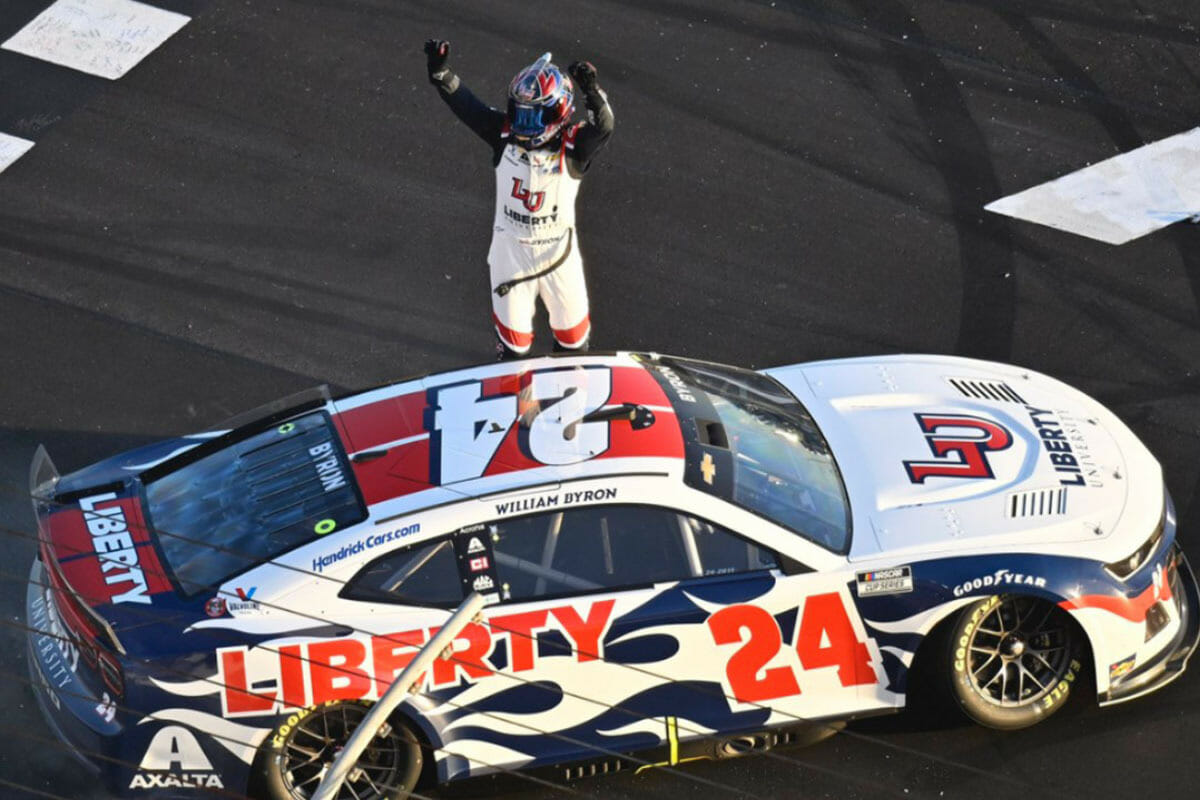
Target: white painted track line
<point>102,37</point>
<point>12,148</point>
<point>1119,199</point>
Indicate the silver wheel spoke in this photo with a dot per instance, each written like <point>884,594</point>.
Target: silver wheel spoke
<point>982,666</point>
<point>1041,686</point>
<point>1038,655</point>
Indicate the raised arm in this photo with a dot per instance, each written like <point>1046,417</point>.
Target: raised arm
<point>592,135</point>
<point>486,121</point>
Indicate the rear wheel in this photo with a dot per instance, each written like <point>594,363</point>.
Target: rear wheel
<point>1013,660</point>
<point>302,749</point>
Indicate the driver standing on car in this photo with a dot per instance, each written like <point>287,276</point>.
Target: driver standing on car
<point>540,158</point>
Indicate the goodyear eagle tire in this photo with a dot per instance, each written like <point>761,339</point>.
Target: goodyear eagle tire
<point>1013,660</point>
<point>301,749</point>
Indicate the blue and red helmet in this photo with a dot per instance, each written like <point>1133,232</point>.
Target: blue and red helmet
<point>541,100</point>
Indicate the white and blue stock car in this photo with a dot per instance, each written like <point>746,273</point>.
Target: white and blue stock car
<point>679,559</point>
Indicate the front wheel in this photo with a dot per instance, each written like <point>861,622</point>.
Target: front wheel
<point>302,749</point>
<point>1013,660</point>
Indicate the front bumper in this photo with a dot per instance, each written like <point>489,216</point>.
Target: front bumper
<point>1169,663</point>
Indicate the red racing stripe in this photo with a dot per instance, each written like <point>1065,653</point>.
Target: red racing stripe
<point>405,469</point>
<point>1131,608</point>
<point>573,337</point>
<point>517,340</point>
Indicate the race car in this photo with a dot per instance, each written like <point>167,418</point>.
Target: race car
<point>679,559</point>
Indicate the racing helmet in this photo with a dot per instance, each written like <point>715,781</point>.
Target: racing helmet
<point>541,100</point>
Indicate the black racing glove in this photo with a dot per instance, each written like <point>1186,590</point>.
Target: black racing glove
<point>437,54</point>
<point>584,75</point>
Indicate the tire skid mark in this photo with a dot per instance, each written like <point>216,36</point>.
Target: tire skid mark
<point>947,51</point>
<point>87,259</point>
<point>154,333</point>
<point>988,309</point>
<point>1100,21</point>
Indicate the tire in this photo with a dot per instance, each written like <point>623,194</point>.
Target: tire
<point>1013,660</point>
<point>301,749</point>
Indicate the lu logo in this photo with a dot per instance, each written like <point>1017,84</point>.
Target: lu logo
<point>958,454</point>
<point>532,200</point>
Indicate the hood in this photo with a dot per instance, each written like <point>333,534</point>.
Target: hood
<point>941,454</point>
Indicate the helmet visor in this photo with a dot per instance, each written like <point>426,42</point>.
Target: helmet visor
<point>526,120</point>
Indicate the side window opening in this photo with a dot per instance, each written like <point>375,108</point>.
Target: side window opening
<point>577,551</point>
<point>421,575</point>
<point>612,547</point>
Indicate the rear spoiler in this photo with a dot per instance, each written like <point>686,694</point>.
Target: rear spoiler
<point>43,478</point>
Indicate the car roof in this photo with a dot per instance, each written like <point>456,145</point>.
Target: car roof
<point>504,426</point>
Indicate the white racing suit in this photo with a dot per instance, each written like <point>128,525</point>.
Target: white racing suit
<point>535,250</point>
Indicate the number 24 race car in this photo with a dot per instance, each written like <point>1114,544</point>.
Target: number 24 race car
<point>679,559</point>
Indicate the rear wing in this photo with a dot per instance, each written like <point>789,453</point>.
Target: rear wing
<point>43,479</point>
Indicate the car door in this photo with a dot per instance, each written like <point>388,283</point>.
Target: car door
<point>615,628</point>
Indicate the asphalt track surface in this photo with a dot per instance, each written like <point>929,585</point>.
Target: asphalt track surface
<point>275,198</point>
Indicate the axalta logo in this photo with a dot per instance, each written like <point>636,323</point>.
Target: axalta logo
<point>1001,577</point>
<point>960,443</point>
<point>115,548</point>
<point>360,667</point>
<point>175,760</point>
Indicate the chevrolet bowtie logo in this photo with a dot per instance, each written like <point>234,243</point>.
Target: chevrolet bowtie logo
<point>707,468</point>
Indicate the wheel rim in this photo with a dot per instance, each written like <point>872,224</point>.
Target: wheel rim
<point>1019,652</point>
<point>313,744</point>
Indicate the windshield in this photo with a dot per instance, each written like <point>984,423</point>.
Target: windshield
<point>782,467</point>
<point>254,500</point>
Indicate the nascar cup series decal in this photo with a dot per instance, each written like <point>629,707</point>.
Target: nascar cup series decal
<point>895,580</point>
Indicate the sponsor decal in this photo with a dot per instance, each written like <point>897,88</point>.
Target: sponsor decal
<point>1065,447</point>
<point>531,219</point>
<point>1121,668</point>
<point>999,579</point>
<point>257,681</point>
<point>329,470</point>
<point>531,200</point>
<point>556,500</point>
<point>960,444</point>
<point>244,601</point>
<point>708,468</point>
<point>106,708</point>
<point>677,383</point>
<point>365,543</point>
<point>823,634</point>
<point>215,607</point>
<point>58,653</point>
<point>479,564</point>
<point>483,583</point>
<point>896,580</point>
<point>175,760</point>
<point>115,547</point>
<point>475,545</point>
